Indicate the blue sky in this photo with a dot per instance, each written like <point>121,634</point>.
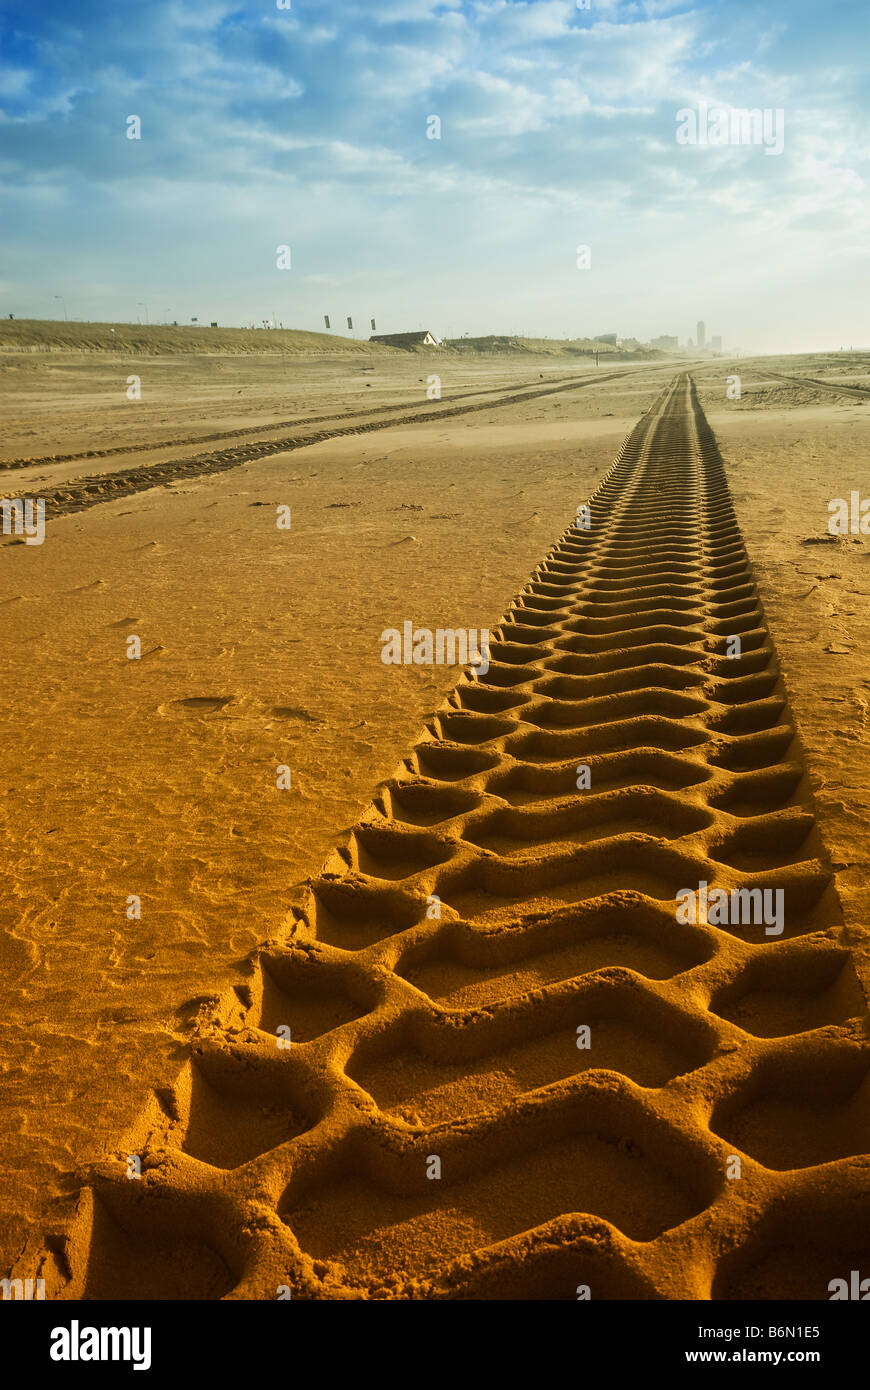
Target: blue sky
<point>307,127</point>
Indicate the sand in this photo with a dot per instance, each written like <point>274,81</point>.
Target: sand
<point>261,648</point>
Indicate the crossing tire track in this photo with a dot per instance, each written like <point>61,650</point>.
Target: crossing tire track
<point>81,493</point>
<point>493,393</point>
<point>835,388</point>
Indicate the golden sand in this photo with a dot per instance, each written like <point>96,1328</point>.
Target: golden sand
<point>416,1037</point>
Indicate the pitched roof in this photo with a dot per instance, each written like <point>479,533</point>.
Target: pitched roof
<point>422,335</point>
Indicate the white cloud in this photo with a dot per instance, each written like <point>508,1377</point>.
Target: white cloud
<point>555,122</point>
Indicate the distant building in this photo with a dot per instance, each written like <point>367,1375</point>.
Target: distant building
<point>666,343</point>
<point>422,338</point>
<point>717,343</point>
<point>702,333</point>
<point>609,338</point>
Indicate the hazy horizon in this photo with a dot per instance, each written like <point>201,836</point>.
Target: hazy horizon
<point>362,333</point>
<point>307,127</point>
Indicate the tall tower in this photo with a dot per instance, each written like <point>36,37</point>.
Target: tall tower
<point>702,333</point>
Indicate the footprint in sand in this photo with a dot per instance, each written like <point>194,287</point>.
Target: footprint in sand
<point>205,704</point>
<point>295,712</point>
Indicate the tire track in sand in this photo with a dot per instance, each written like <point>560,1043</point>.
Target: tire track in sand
<point>495,392</point>
<point>455,1038</point>
<point>90,491</point>
<point>834,388</point>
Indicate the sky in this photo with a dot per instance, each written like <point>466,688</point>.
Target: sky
<point>309,127</point>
